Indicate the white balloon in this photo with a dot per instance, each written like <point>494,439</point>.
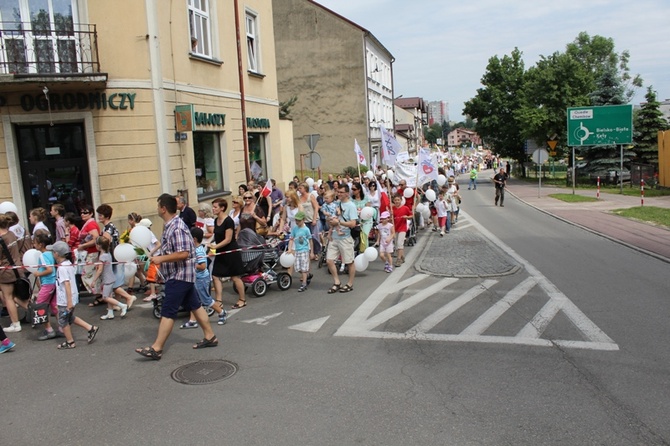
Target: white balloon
<point>361,262</point>
<point>129,270</point>
<point>140,236</point>
<point>441,179</point>
<point>287,260</point>
<point>125,252</point>
<point>420,207</point>
<point>310,182</point>
<point>371,254</point>
<point>426,214</point>
<point>383,177</point>
<point>389,174</point>
<point>408,192</point>
<point>370,174</point>
<point>319,182</point>
<point>8,206</point>
<point>31,259</point>
<point>367,212</point>
<point>430,195</point>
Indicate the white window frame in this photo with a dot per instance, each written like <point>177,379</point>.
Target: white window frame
<point>214,155</point>
<point>253,47</point>
<point>200,27</point>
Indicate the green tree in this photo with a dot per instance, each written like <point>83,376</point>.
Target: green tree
<point>555,83</point>
<point>648,122</point>
<point>609,90</point>
<point>496,105</point>
<point>432,133</point>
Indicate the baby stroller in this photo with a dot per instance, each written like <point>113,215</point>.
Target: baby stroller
<point>259,260</point>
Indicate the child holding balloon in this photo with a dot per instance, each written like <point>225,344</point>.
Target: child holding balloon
<point>105,273</point>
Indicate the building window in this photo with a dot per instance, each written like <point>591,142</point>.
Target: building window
<point>207,155</point>
<point>200,25</point>
<point>39,36</point>
<point>252,41</point>
<point>257,158</point>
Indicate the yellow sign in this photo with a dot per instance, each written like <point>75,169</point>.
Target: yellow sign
<point>552,144</point>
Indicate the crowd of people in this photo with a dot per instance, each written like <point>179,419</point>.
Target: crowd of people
<point>334,219</point>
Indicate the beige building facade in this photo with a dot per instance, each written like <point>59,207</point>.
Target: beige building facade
<point>343,79</point>
<point>118,102</point>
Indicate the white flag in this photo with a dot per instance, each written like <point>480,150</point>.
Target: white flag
<point>427,167</point>
<point>359,154</point>
<point>390,147</point>
<point>373,164</point>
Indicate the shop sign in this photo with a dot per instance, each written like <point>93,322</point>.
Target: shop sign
<point>77,101</point>
<point>258,123</point>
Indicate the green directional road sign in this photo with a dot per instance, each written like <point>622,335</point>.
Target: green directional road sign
<point>596,126</point>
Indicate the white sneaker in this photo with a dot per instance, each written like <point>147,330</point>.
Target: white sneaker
<point>106,317</point>
<point>124,309</point>
<point>14,327</point>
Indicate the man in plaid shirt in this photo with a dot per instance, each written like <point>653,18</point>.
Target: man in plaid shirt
<point>177,264</point>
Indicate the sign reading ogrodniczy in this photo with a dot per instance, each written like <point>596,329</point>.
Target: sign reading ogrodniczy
<point>595,126</point>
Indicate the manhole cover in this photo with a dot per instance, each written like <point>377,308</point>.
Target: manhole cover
<point>204,372</point>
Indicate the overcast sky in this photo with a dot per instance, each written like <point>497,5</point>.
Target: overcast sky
<point>442,47</point>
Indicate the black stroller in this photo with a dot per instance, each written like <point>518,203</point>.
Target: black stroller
<point>259,260</point>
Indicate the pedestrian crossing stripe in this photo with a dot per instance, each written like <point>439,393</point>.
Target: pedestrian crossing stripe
<point>362,324</point>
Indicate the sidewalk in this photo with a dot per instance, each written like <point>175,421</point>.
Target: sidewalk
<point>597,217</point>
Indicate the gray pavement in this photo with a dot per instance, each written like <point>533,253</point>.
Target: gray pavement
<point>477,256</point>
<point>597,217</point>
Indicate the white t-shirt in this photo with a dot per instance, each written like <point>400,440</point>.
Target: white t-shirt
<point>40,225</point>
<point>65,274</point>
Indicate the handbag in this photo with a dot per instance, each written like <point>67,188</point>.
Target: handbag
<point>40,313</point>
<point>261,229</point>
<point>356,230</point>
<point>22,288</point>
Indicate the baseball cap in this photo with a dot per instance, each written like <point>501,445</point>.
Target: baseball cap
<point>145,222</point>
<point>61,248</point>
<point>385,214</point>
<point>300,215</point>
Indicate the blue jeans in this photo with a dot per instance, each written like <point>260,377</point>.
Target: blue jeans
<point>202,287</point>
<point>473,183</point>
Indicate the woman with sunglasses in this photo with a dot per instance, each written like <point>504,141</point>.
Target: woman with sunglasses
<point>237,204</point>
<point>87,252</point>
<point>361,200</point>
<point>252,216</point>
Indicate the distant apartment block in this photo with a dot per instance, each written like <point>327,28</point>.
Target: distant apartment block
<point>438,112</point>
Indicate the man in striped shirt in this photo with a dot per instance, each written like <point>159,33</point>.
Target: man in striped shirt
<point>177,265</point>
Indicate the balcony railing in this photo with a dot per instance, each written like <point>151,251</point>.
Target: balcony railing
<point>25,51</point>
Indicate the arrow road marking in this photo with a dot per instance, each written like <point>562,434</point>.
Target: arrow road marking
<point>262,320</point>
<point>310,326</point>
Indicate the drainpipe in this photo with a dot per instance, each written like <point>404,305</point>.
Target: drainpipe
<point>158,95</point>
<point>243,109</point>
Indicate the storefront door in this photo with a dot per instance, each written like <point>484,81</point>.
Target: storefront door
<point>54,167</point>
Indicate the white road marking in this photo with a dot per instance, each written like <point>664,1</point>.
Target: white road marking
<point>487,319</point>
<point>431,321</point>
<point>263,320</point>
<point>310,326</point>
<point>362,324</point>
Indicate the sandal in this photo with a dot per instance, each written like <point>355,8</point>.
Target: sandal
<point>92,332</point>
<point>237,306</point>
<point>66,345</point>
<point>149,352</point>
<point>207,343</point>
<point>334,289</point>
<point>96,302</point>
<point>346,288</point>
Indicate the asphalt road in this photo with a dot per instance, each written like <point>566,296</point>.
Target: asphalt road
<point>569,348</point>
